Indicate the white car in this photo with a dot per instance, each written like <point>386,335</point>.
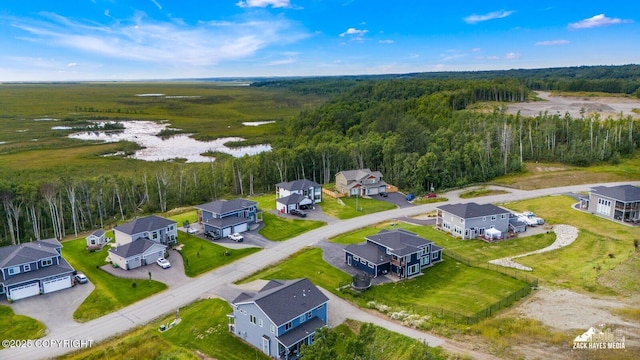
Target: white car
<point>236,237</point>
<point>191,230</point>
<point>163,263</point>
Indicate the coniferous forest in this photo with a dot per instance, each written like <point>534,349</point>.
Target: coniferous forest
<point>420,130</point>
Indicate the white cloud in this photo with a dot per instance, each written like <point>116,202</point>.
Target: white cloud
<point>72,64</point>
<point>472,19</point>
<point>156,3</point>
<point>168,43</point>
<point>385,41</point>
<point>595,21</point>
<point>552,42</point>
<point>354,31</point>
<point>512,55</point>
<point>476,50</point>
<point>264,3</point>
<point>282,62</point>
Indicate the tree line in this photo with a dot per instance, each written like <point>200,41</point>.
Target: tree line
<point>418,133</point>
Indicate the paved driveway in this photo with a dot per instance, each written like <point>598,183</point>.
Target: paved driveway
<point>397,198</point>
<point>172,276</point>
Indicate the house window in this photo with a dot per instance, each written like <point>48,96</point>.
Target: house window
<point>494,218</point>
<point>604,207</point>
<point>288,325</point>
<point>425,250</point>
<point>46,262</point>
<point>154,235</point>
<point>457,230</point>
<point>272,329</point>
<point>27,267</point>
<point>302,319</point>
<point>363,261</point>
<point>461,220</point>
<point>355,258</point>
<point>371,265</point>
<point>503,216</point>
<point>309,315</point>
<point>252,319</point>
<point>413,269</point>
<point>260,322</point>
<point>424,261</point>
<point>14,270</point>
<point>484,218</point>
<point>170,227</point>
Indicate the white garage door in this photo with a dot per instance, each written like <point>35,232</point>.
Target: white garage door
<point>226,232</point>
<point>22,292</point>
<point>151,258</point>
<point>56,284</point>
<point>135,263</point>
<point>240,228</point>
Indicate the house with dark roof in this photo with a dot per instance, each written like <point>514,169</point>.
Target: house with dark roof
<point>224,217</point>
<point>96,239</point>
<point>280,318</point>
<point>33,268</point>
<point>363,182</point>
<point>297,194</point>
<point>139,252</point>
<point>155,228</point>
<point>398,252</point>
<point>621,203</point>
<point>471,220</point>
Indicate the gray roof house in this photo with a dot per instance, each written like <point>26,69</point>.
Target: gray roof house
<point>296,194</point>
<point>224,217</point>
<point>471,220</point>
<point>154,228</point>
<point>140,252</point>
<point>33,268</point>
<point>398,252</point>
<point>363,182</point>
<point>621,203</point>
<point>96,239</point>
<point>280,318</point>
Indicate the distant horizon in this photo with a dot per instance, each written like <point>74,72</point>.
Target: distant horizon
<point>114,40</point>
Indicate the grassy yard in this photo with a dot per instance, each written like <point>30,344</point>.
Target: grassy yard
<point>601,247</point>
<point>110,293</point>
<point>201,255</point>
<point>202,334</point>
<point>265,202</point>
<point>277,228</point>
<point>305,263</point>
<point>447,285</point>
<point>332,207</point>
<point>13,326</point>
<point>481,192</point>
<point>475,250</point>
<point>181,215</point>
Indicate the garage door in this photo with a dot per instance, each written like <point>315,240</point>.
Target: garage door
<point>134,263</point>
<point>22,292</point>
<point>151,258</point>
<point>56,284</point>
<point>240,228</point>
<point>226,232</point>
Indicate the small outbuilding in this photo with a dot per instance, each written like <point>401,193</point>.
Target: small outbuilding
<point>96,239</point>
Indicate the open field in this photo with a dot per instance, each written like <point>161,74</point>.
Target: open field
<point>481,192</point>
<point>110,293</point>
<point>545,175</point>
<point>277,228</point>
<point>200,256</point>
<point>353,206</point>
<point>19,327</point>
<point>202,334</point>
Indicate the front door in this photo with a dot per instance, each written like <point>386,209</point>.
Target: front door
<point>265,345</point>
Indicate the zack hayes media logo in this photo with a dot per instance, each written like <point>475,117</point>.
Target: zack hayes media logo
<point>595,339</point>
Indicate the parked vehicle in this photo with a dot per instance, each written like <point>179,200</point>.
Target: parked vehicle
<point>298,212</point>
<point>410,197</point>
<point>211,235</point>
<point>384,194</point>
<point>191,230</point>
<point>236,237</point>
<point>430,195</point>
<point>81,279</point>
<point>163,263</point>
<point>532,216</point>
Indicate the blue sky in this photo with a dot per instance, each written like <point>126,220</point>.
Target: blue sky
<point>162,39</point>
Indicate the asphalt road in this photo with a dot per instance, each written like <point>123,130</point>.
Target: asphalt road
<point>58,340</point>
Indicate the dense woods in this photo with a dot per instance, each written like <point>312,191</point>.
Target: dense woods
<point>420,133</point>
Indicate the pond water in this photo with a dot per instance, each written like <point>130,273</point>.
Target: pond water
<point>179,146</point>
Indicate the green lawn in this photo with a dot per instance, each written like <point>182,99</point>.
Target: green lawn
<point>475,250</point>
<point>22,327</point>
<point>202,334</point>
<point>110,293</point>
<point>332,206</point>
<point>200,256</point>
<point>306,263</point>
<point>265,202</point>
<point>277,228</point>
<point>448,285</point>
<point>481,192</point>
<point>601,247</point>
<point>180,215</point>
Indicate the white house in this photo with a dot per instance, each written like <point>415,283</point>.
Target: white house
<point>297,194</point>
<point>96,239</point>
<point>154,228</point>
<point>140,252</point>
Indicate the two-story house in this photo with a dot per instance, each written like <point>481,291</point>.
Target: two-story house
<point>142,241</point>
<point>280,318</point>
<point>471,220</point>
<point>297,194</point>
<point>398,252</point>
<point>620,202</point>
<point>224,217</point>
<point>33,268</point>
<point>363,182</point>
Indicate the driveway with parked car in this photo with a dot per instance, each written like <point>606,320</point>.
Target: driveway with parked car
<point>397,198</point>
<point>172,275</point>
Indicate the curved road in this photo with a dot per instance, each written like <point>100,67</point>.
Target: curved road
<point>216,282</point>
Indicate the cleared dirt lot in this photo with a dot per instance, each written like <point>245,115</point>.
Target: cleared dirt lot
<point>605,106</point>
